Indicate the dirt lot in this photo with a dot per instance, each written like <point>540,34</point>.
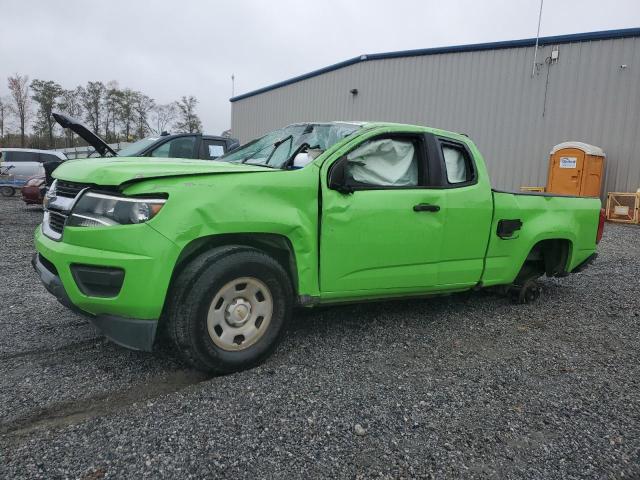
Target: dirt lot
<point>459,386</point>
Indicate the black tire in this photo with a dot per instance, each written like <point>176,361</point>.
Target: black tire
<point>194,290</point>
<point>7,191</point>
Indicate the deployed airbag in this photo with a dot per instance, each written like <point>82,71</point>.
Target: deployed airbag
<point>384,162</point>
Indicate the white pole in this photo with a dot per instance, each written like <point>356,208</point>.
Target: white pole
<point>233,87</point>
<point>535,53</point>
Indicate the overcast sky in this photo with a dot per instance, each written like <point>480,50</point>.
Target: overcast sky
<point>172,48</point>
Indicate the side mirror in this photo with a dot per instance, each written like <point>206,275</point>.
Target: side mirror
<point>337,178</point>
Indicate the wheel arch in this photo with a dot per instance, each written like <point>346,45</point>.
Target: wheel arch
<point>279,247</point>
<point>550,256</point>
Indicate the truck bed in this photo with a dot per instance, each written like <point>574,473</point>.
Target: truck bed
<point>543,216</point>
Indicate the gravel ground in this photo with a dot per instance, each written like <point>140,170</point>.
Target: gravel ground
<point>461,386</point>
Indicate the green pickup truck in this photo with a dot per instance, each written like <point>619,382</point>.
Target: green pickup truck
<point>216,254</point>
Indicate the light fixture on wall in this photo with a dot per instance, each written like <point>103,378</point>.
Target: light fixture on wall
<point>354,91</point>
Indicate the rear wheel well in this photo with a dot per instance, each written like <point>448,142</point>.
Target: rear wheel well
<point>548,257</point>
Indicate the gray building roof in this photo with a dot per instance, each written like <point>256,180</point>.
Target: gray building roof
<point>525,42</point>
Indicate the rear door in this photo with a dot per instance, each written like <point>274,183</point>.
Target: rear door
<point>467,212</point>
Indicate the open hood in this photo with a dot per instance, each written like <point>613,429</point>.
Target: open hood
<point>83,132</point>
<point>116,171</point>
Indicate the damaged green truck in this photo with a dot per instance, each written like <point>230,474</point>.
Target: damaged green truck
<point>216,254</point>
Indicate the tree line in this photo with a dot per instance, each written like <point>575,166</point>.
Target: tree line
<point>116,114</point>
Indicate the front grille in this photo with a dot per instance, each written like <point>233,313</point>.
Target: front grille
<point>56,221</point>
<point>69,189</point>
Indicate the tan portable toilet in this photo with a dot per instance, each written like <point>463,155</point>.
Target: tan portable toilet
<point>576,168</point>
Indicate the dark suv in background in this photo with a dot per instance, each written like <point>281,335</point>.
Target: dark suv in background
<point>181,145</point>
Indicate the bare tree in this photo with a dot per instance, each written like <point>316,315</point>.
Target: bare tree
<point>162,116</point>
<point>126,111</point>
<point>46,93</point>
<point>70,102</point>
<point>92,98</point>
<point>143,105</point>
<point>3,114</point>
<point>188,119</point>
<point>111,99</point>
<point>19,89</point>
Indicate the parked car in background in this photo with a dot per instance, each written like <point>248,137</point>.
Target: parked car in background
<point>34,190</point>
<point>181,145</point>
<point>216,254</point>
<point>28,162</point>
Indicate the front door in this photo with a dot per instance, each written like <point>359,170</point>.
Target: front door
<point>384,231</point>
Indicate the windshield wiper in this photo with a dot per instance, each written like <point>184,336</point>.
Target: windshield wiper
<point>292,157</point>
<point>274,147</point>
<point>288,138</point>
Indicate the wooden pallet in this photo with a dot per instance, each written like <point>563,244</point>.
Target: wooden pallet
<point>623,207</point>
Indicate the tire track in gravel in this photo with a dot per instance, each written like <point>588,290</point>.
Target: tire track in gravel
<point>68,413</point>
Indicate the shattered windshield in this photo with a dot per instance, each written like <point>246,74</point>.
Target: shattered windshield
<point>279,148</point>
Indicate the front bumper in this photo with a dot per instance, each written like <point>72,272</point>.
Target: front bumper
<point>130,316</point>
<point>131,333</point>
<point>146,257</point>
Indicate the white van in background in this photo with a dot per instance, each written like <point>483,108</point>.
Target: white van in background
<point>27,162</point>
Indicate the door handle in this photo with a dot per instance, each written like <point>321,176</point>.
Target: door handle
<point>426,207</point>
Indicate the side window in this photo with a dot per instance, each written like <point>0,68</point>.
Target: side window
<point>457,163</point>
<point>212,149</point>
<point>21,157</point>
<point>47,157</point>
<point>386,162</point>
<point>181,147</point>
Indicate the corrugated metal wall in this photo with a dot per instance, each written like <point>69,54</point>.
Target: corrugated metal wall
<point>489,95</point>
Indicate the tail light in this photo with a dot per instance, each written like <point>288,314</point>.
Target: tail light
<point>603,217</point>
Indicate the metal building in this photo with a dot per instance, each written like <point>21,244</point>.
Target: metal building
<point>584,87</point>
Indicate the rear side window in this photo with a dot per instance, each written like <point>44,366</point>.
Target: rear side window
<point>20,156</point>
<point>47,157</point>
<point>457,164</point>
<point>212,149</point>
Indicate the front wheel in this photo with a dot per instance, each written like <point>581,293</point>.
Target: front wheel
<point>228,308</point>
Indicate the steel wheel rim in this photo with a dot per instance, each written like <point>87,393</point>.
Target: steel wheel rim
<point>240,314</point>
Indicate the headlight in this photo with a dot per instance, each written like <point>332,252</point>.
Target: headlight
<point>50,195</point>
<point>101,210</point>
